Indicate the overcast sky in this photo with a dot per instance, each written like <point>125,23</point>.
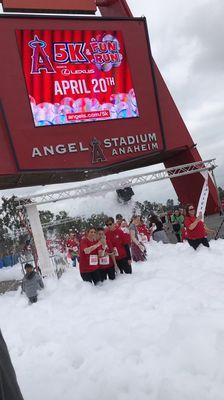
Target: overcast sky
<point>186,41</point>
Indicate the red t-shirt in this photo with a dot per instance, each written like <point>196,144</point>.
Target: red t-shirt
<point>106,261</point>
<point>72,244</point>
<point>118,239</point>
<point>88,262</point>
<point>143,230</point>
<point>126,235</point>
<point>198,232</point>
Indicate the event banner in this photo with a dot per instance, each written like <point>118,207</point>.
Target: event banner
<point>76,76</point>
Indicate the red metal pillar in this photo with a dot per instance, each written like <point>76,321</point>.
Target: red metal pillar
<point>188,188</point>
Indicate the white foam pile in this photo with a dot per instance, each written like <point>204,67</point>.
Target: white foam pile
<point>158,334</point>
<point>11,273</point>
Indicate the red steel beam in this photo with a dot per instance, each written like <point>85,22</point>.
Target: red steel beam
<point>188,188</point>
<point>50,6</point>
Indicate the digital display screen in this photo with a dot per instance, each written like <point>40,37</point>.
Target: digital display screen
<point>75,76</point>
<point>79,96</point>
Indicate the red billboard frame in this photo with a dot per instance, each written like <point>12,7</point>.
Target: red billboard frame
<point>179,146</point>
<point>20,125</point>
<point>50,6</point>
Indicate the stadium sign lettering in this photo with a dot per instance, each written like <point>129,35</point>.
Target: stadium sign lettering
<point>117,146</point>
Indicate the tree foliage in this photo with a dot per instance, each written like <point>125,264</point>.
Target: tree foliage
<point>10,222</point>
<point>146,208</point>
<point>221,193</point>
<point>46,216</point>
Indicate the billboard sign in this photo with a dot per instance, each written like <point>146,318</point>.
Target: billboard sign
<point>76,76</point>
<point>80,96</point>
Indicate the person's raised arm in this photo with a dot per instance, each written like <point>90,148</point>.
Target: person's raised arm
<point>89,249</point>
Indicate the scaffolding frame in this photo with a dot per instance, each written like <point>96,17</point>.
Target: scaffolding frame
<point>100,188</point>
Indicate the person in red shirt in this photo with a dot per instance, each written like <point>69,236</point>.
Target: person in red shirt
<point>143,231</point>
<point>72,245</point>
<point>196,228</point>
<point>124,226</point>
<point>119,220</point>
<point>119,241</point>
<point>107,262</point>
<point>89,258</point>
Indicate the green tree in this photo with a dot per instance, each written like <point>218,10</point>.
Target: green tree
<point>77,224</point>
<point>96,220</point>
<point>221,193</point>
<point>46,216</point>
<point>10,224</point>
<point>61,215</point>
<point>144,209</point>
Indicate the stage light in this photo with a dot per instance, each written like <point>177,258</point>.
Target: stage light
<point>124,195</point>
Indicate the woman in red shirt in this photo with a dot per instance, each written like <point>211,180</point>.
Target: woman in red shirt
<point>72,245</point>
<point>119,241</point>
<point>107,262</point>
<point>196,228</point>
<point>143,231</point>
<point>89,260</point>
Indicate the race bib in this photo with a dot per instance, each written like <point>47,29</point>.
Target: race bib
<point>104,260</point>
<point>116,252</point>
<point>93,259</point>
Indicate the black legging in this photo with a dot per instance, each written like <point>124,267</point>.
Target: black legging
<point>196,242</point>
<point>93,276</point>
<point>107,272</point>
<point>124,266</point>
<point>178,236</point>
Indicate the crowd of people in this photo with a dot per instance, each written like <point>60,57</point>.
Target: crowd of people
<point>102,252</point>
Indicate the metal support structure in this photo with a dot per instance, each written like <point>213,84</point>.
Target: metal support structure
<point>22,231</point>
<point>98,189</point>
<point>57,223</point>
<point>46,266</point>
<point>102,187</point>
<point>218,195</point>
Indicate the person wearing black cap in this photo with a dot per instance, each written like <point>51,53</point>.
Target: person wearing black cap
<point>9,388</point>
<point>31,283</point>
